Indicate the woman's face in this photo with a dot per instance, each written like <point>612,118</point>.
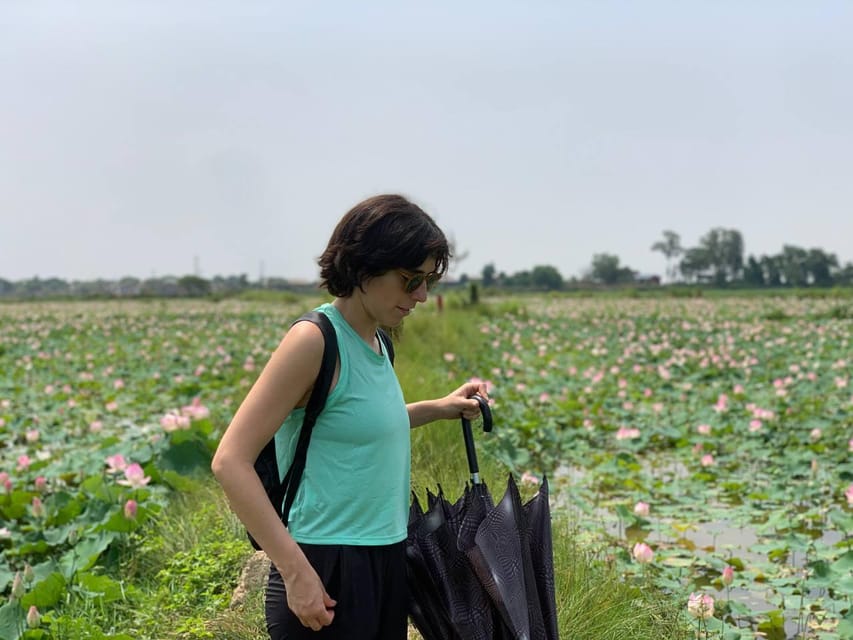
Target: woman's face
<point>385,296</point>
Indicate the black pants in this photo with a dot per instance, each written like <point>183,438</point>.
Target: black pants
<point>368,583</point>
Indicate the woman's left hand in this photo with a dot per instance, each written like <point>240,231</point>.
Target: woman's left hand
<point>459,403</point>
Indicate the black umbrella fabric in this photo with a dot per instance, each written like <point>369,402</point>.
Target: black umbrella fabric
<point>480,571</point>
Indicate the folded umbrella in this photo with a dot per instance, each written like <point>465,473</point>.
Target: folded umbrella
<point>480,571</point>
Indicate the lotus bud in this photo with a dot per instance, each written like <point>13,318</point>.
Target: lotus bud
<point>33,617</point>
<point>641,509</point>
<point>18,588</point>
<point>643,553</point>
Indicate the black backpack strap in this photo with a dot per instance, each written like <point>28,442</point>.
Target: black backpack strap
<point>387,344</point>
<point>316,402</point>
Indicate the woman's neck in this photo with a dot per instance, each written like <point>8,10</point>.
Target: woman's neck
<point>354,312</point>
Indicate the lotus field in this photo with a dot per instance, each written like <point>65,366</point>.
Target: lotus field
<point>701,446</point>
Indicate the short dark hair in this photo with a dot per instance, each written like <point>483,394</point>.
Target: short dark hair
<point>379,234</point>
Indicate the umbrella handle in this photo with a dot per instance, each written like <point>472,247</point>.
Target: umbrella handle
<point>470,451</point>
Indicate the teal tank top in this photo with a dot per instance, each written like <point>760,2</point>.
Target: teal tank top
<point>356,484</point>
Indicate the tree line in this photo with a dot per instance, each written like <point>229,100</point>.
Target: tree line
<point>189,286</point>
<point>718,260</point>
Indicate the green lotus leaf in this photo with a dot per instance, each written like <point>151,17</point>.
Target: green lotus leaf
<point>12,621</point>
<point>45,593</point>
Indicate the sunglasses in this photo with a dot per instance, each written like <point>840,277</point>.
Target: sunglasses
<point>412,281</point>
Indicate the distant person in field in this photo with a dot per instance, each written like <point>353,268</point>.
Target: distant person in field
<point>338,568</point>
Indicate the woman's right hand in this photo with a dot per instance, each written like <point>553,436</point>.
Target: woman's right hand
<point>308,600</point>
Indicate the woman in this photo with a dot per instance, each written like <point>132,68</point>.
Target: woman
<point>339,566</point>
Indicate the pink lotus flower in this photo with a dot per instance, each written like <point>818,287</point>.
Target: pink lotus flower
<point>728,575</point>
<point>130,508</point>
<point>32,435</point>
<point>815,434</point>
<point>624,433</point>
<point>38,508</point>
<point>449,357</point>
<point>196,410</point>
<point>643,553</point>
<point>116,463</point>
<point>704,429</point>
<point>41,484</point>
<point>641,509</point>
<point>134,477</point>
<point>754,426</point>
<point>529,478</point>
<point>707,460</point>
<point>95,426</point>
<point>849,495</point>
<point>700,605</point>
<point>173,422</point>
<point>112,406</point>
<point>24,462</point>
<point>5,533</point>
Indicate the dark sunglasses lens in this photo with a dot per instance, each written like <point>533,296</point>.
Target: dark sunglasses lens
<point>414,282</point>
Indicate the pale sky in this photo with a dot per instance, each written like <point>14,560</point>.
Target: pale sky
<point>145,138</point>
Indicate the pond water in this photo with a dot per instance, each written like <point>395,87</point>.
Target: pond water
<point>715,538</point>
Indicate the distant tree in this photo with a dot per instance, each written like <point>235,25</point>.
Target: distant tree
<point>488,275</point>
<point>820,266</point>
<point>193,286</point>
<point>607,270</point>
<point>724,251</point>
<point>753,274</point>
<point>54,287</point>
<point>771,267</point>
<point>793,266</point>
<point>844,275</point>
<point>165,287</point>
<point>695,264</point>
<point>273,283</point>
<point>546,277</point>
<point>520,279</point>
<point>671,248</point>
<point>93,288</point>
<point>234,284</point>
<point>129,286</point>
<point>6,287</point>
